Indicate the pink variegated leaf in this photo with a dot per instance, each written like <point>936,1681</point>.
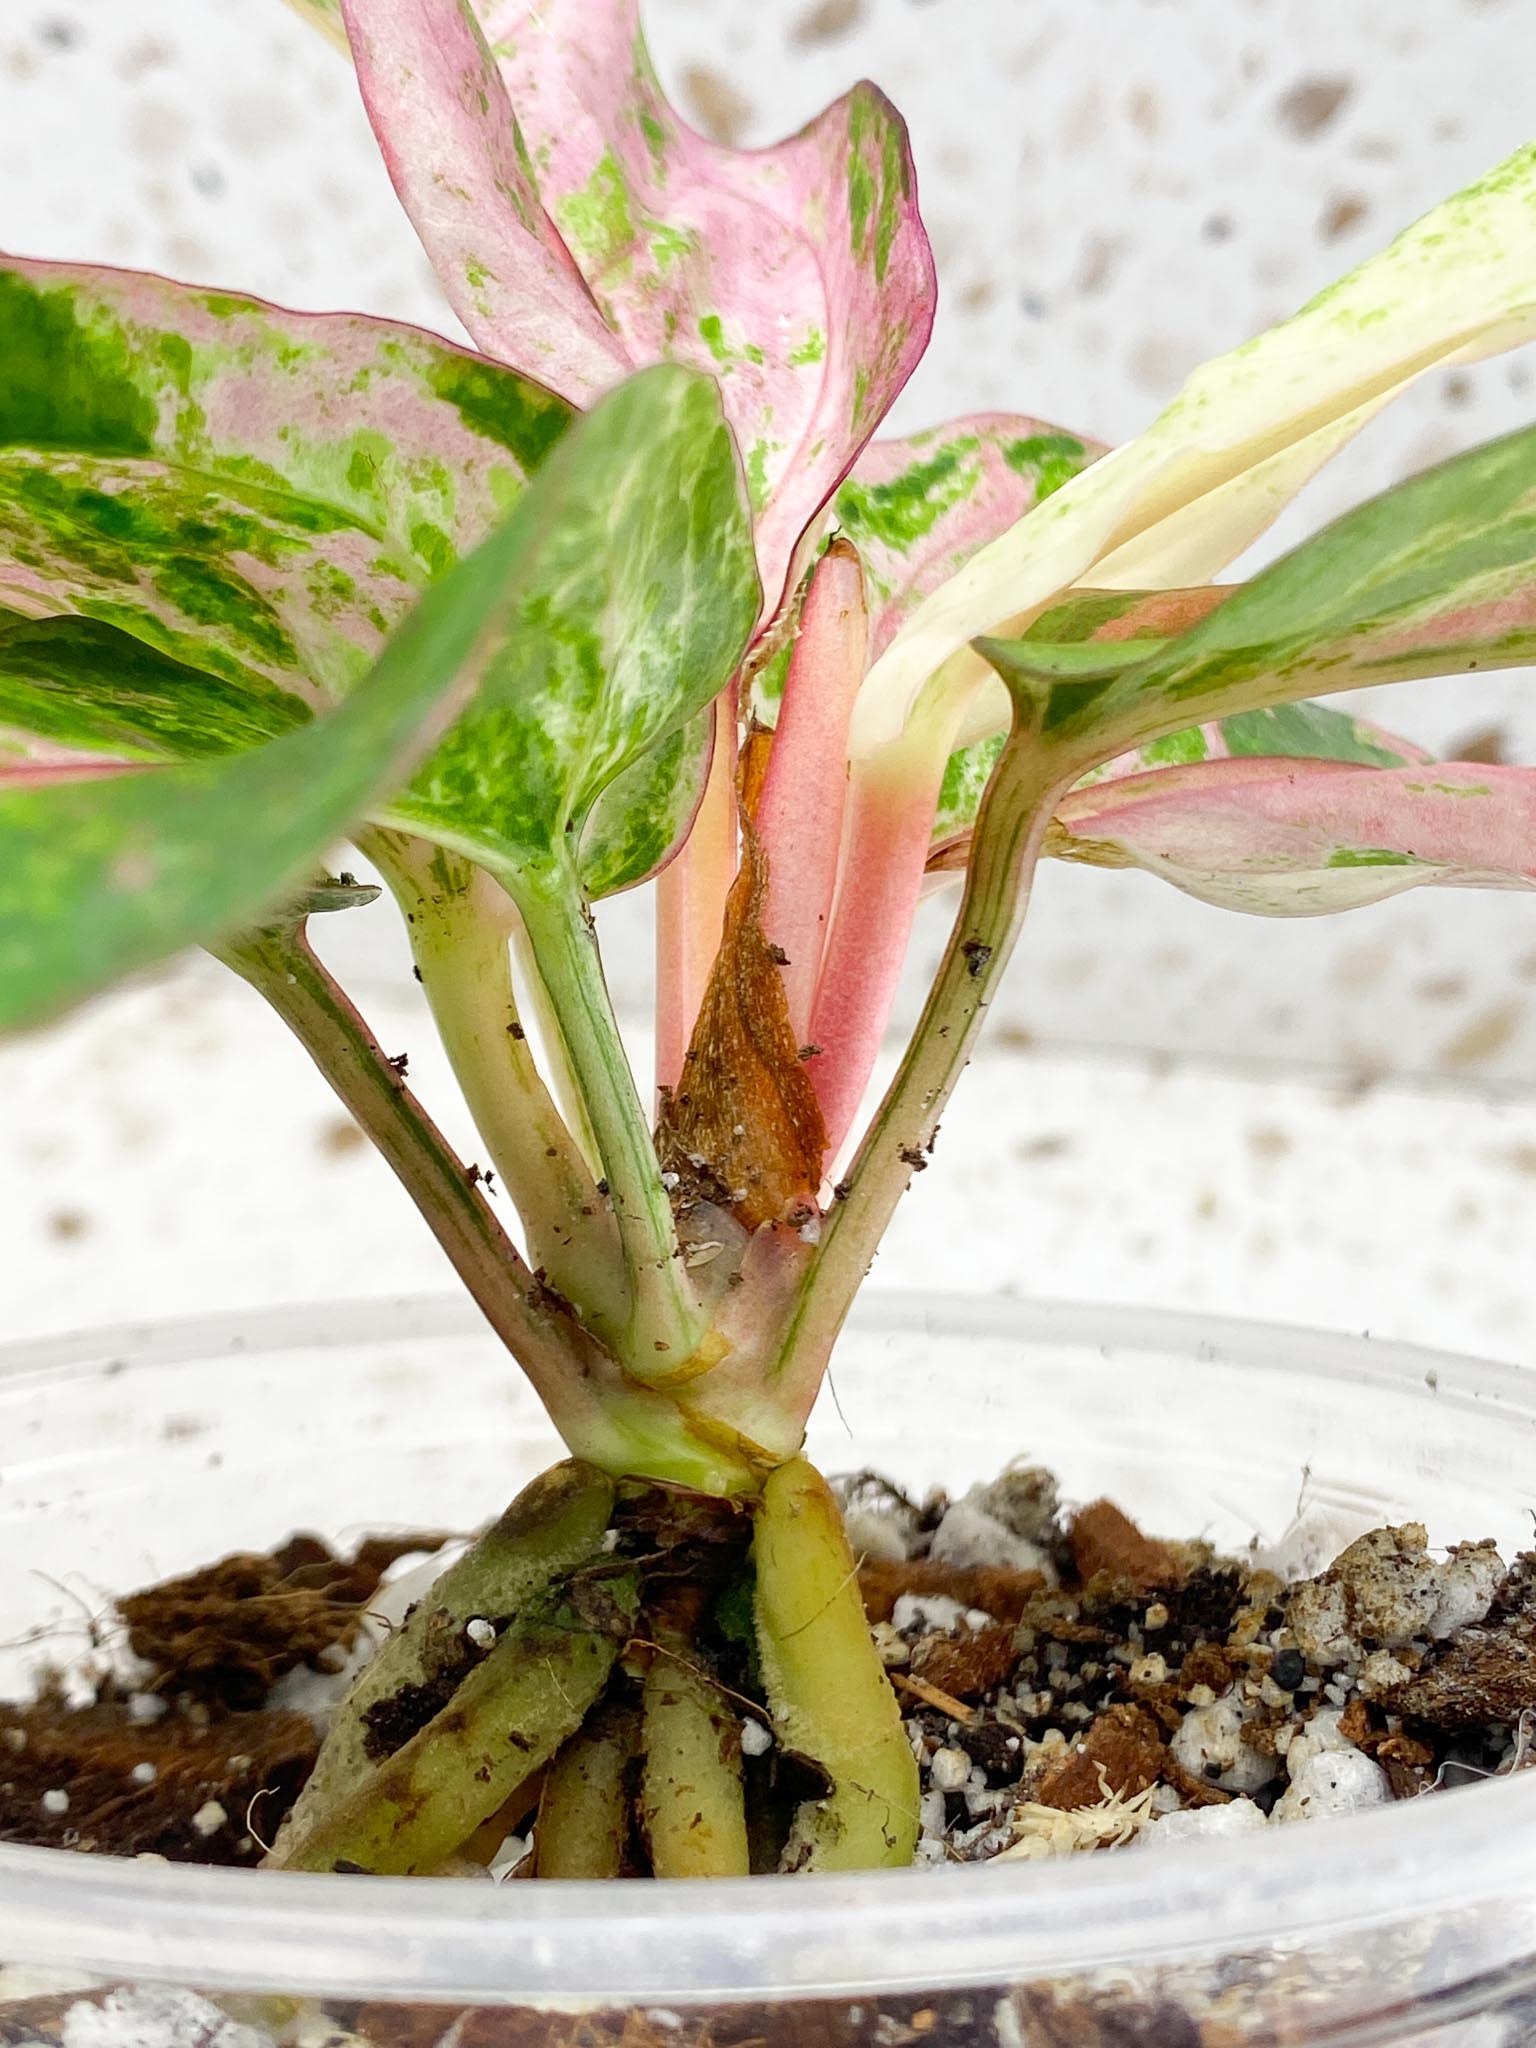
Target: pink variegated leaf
<point>919,507</point>
<point>1297,838</point>
<point>452,147</point>
<point>798,275</point>
<point>254,497</point>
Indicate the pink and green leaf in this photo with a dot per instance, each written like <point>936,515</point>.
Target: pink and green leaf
<point>799,275</point>
<point>256,494</point>
<point>918,508</point>
<point>582,600</point>
<point>452,146</point>
<point>1301,837</point>
<point>1434,577</point>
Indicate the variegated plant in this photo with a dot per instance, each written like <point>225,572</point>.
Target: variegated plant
<point>632,593</point>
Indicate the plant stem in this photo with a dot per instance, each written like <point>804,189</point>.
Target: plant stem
<point>889,826</point>
<point>557,1356</point>
<point>600,1411</point>
<point>458,918</point>
<point>799,818</point>
<point>666,1321</point>
<point>1010,828</point>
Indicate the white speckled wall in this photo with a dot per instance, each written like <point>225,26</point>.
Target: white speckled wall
<point>1115,188</point>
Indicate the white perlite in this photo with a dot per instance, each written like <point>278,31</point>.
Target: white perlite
<point>1209,1823</point>
<point>1378,1594</point>
<point>756,1738</point>
<point>949,1770</point>
<point>935,1612</point>
<point>481,1633</point>
<point>1466,1583</point>
<point>1318,1737</point>
<point>209,1818</point>
<point>1334,1782</point>
<point>148,2016</point>
<point>1212,1736</point>
<point>56,1801</point>
<point>971,1535</point>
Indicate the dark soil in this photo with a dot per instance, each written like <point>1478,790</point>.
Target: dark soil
<point>1066,1688</point>
<point>190,1764</point>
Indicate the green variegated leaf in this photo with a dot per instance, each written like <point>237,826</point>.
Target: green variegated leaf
<point>80,683</point>
<point>631,607</point>
<point>1435,577</point>
<point>105,867</point>
<point>255,494</point>
<point>643,816</point>
<point>1174,506</point>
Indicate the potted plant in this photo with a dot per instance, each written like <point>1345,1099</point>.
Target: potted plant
<point>630,593</point>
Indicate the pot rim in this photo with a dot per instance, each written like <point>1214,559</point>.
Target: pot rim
<point>754,1938</point>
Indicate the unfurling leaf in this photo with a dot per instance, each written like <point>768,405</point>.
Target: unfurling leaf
<point>1435,577</point>
<point>1296,838</point>
<point>798,275</point>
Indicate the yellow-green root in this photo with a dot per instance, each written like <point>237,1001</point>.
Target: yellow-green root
<point>507,1719</point>
<point>583,1821</point>
<point>555,1525</point>
<point>691,1802</point>
<point>827,1690</point>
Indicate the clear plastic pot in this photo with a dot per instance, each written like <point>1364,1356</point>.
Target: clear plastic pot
<point>132,1453</point>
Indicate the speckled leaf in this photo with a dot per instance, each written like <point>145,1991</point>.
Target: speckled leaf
<point>798,275</point>
<point>259,495</point>
<point>918,508</point>
<point>1175,505</point>
<point>1296,838</point>
<point>452,146</point>
<point>630,608</point>
<point>105,867</point>
<point>1435,577</point>
<point>642,817</point>
<point>81,683</point>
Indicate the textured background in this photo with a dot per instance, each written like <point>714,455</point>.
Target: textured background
<point>1115,189</point>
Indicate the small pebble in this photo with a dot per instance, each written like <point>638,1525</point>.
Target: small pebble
<point>1335,1782</point>
<point>949,1770</point>
<point>1209,1743</point>
<point>1210,1823</point>
<point>756,1738</point>
<point>1288,1669</point>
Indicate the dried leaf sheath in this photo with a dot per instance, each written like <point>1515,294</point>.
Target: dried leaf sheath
<point>743,1127</point>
